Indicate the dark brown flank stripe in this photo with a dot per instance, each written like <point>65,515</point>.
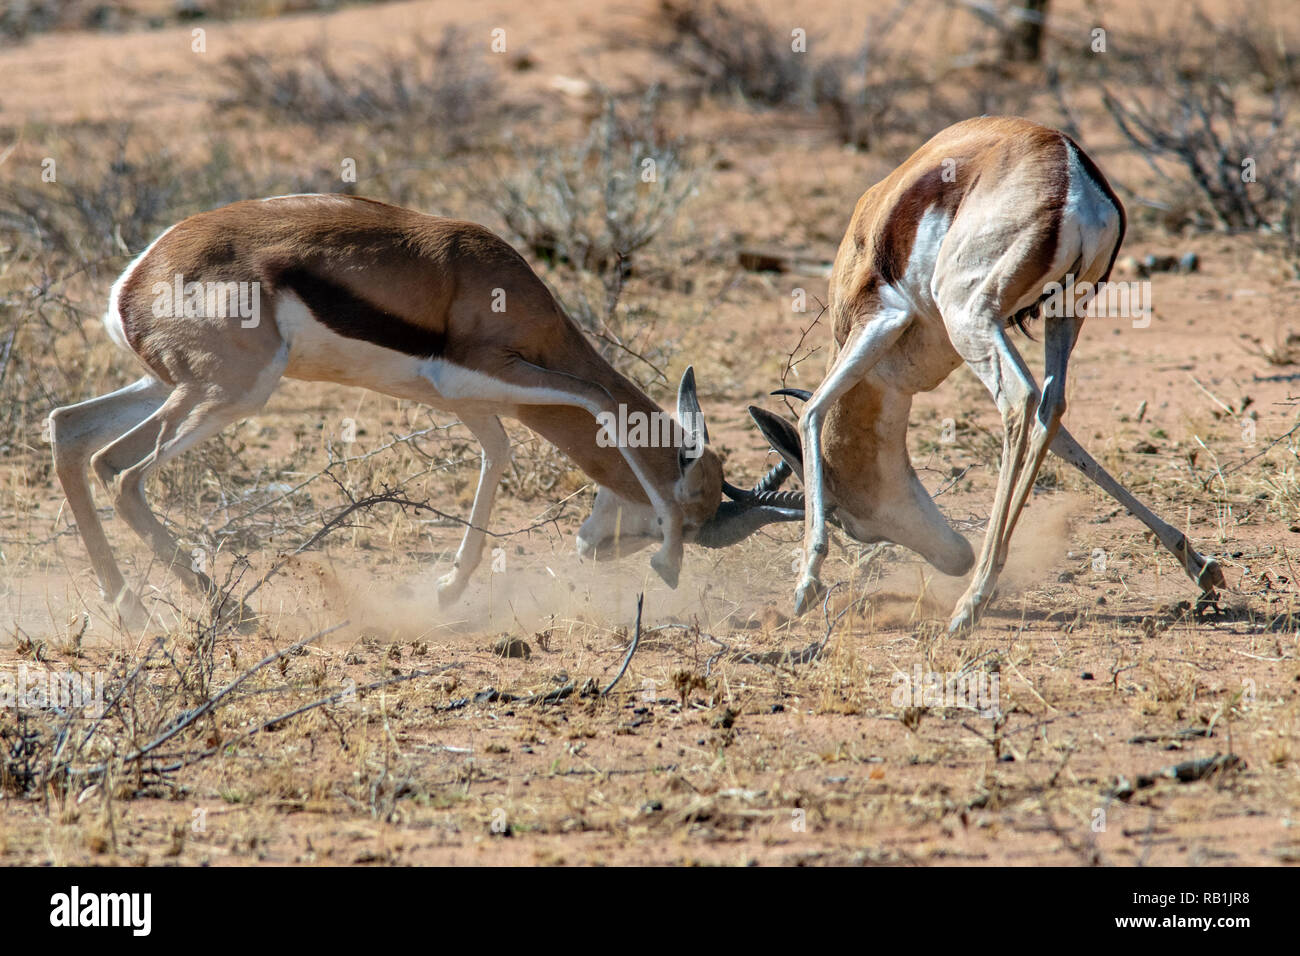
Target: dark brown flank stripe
<point>895,241</point>
<point>341,310</point>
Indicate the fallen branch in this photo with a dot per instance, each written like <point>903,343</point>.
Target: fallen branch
<point>781,260</point>
<point>1188,772</point>
<point>188,718</point>
<point>1267,448</point>
<point>492,696</point>
<point>187,760</point>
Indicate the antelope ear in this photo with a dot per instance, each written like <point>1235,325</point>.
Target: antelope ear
<point>781,435</point>
<point>689,414</point>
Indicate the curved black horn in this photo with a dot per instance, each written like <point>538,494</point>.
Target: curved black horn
<point>775,477</point>
<point>734,493</point>
<point>772,481</point>
<point>735,521</point>
<point>800,393</point>
<point>777,499</point>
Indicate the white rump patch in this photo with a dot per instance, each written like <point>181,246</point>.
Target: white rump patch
<point>113,317</point>
<point>1086,204</point>
<point>913,293</point>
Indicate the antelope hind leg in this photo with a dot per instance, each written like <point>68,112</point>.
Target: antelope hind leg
<point>1206,572</point>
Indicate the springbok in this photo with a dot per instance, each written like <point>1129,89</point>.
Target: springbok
<point>335,288</point>
<point>964,238</point>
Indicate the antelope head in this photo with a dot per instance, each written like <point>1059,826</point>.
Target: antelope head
<point>872,491</point>
<point>618,526</point>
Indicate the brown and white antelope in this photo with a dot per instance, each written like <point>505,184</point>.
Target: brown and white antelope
<point>940,256</point>
<point>362,293</point>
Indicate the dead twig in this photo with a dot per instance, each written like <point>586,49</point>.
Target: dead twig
<point>188,718</point>
<point>387,496</point>
<point>790,362</point>
<point>636,639</point>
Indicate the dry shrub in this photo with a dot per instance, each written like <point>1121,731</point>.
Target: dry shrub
<point>595,205</point>
<point>1250,42</point>
<point>882,87</point>
<point>130,723</point>
<point>1240,158</point>
<point>538,470</point>
<point>591,211</point>
<point>114,191</point>
<point>1211,110</point>
<point>737,52</point>
<point>441,85</point>
<point>22,748</point>
<point>20,19</point>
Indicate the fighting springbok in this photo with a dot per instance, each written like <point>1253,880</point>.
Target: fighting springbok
<point>939,258</point>
<point>439,311</point>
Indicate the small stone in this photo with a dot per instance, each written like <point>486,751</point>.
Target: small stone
<point>512,647</point>
<point>1086,675</point>
<point>1153,263</point>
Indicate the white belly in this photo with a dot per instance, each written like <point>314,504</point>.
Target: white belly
<point>319,354</point>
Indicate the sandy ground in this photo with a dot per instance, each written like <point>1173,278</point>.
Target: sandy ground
<point>1105,672</point>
